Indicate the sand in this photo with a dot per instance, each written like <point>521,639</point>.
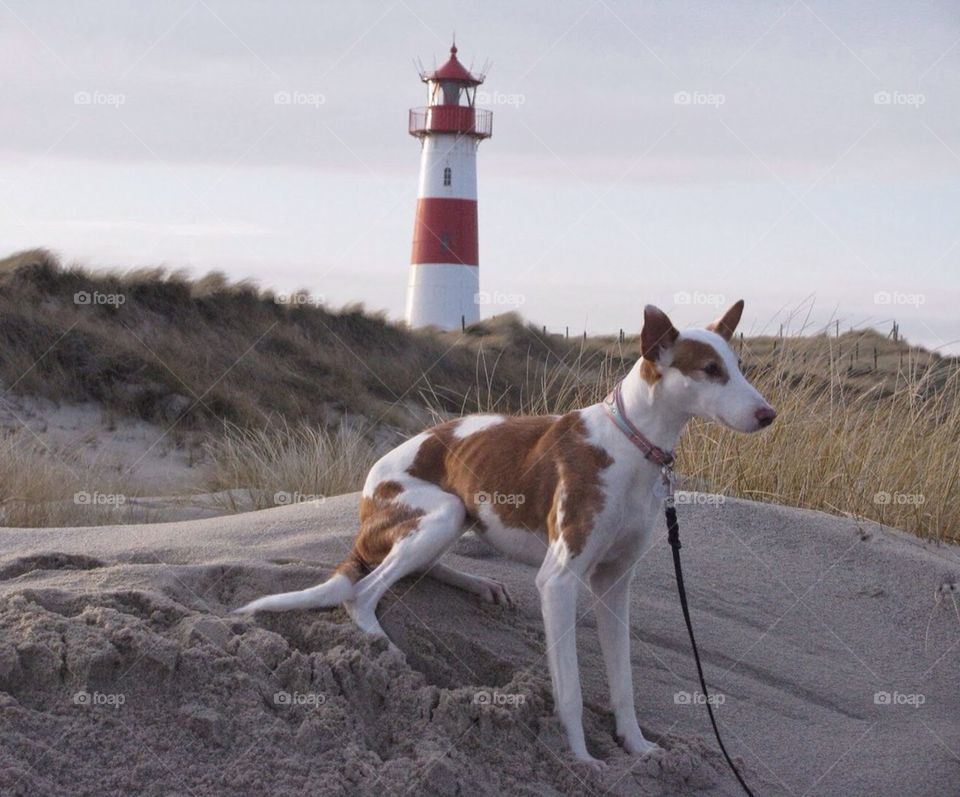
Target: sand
<point>121,671</point>
<point>90,437</point>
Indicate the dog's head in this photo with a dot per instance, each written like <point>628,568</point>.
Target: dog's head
<point>698,374</point>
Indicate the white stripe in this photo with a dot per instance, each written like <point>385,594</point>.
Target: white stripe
<point>456,153</point>
<point>440,293</point>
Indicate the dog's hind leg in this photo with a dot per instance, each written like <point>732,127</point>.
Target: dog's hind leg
<point>487,589</point>
<point>337,589</point>
<point>435,531</point>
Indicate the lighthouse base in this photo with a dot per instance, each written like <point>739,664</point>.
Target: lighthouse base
<point>442,295</point>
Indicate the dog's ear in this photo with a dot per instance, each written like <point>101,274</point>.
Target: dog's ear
<point>726,325</point>
<point>658,333</point>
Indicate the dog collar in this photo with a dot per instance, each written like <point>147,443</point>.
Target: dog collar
<point>613,404</point>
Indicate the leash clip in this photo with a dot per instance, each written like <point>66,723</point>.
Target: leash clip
<point>667,480</point>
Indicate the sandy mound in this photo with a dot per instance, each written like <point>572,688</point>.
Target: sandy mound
<point>95,437</point>
<point>121,671</point>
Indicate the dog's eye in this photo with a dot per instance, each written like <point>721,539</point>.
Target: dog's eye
<point>712,369</point>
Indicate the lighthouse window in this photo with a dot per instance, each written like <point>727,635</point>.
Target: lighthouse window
<point>451,92</point>
<point>445,240</point>
<point>447,175</point>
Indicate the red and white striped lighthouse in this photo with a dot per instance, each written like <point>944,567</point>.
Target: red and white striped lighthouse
<point>444,264</point>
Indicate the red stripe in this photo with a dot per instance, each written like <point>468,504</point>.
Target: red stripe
<point>445,231</point>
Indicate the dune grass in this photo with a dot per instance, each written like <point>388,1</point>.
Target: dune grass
<point>887,454</point>
<point>868,426</point>
<point>39,487</point>
<point>288,464</point>
<point>194,353</point>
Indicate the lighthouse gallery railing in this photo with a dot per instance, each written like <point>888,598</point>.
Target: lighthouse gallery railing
<point>459,119</point>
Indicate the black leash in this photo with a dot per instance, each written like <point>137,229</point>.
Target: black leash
<point>673,537</point>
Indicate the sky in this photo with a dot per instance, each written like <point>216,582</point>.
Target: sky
<point>801,155</point>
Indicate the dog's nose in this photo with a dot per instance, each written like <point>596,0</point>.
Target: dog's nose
<point>765,416</point>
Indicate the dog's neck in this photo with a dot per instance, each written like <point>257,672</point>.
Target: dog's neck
<point>656,417</point>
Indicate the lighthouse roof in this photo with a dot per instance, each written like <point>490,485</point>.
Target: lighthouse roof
<point>454,70</point>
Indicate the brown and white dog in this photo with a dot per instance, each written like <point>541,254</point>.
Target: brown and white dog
<point>571,494</point>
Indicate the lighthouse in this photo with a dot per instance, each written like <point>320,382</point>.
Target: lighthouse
<point>445,264</point>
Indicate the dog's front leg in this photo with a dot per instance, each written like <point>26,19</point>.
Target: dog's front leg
<point>610,585</point>
<point>558,601</point>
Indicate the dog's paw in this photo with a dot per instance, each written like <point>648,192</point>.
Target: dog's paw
<point>491,591</point>
<point>595,764</point>
<point>636,744</point>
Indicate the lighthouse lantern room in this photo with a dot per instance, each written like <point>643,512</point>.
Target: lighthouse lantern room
<point>444,265</point>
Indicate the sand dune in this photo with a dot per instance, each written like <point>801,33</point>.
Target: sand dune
<point>121,671</point>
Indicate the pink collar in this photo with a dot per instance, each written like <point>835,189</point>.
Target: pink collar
<point>613,404</point>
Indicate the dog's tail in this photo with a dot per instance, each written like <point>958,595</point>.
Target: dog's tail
<point>332,592</point>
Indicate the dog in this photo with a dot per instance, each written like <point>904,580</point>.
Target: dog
<point>573,495</point>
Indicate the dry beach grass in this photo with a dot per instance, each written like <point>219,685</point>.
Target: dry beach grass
<point>881,454</point>
<point>43,488</point>
<point>288,464</point>
<point>292,397</point>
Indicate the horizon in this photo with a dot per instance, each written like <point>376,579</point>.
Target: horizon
<point>802,157</point>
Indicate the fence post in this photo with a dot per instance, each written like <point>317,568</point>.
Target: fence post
<point>568,333</point>
<point>463,323</point>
